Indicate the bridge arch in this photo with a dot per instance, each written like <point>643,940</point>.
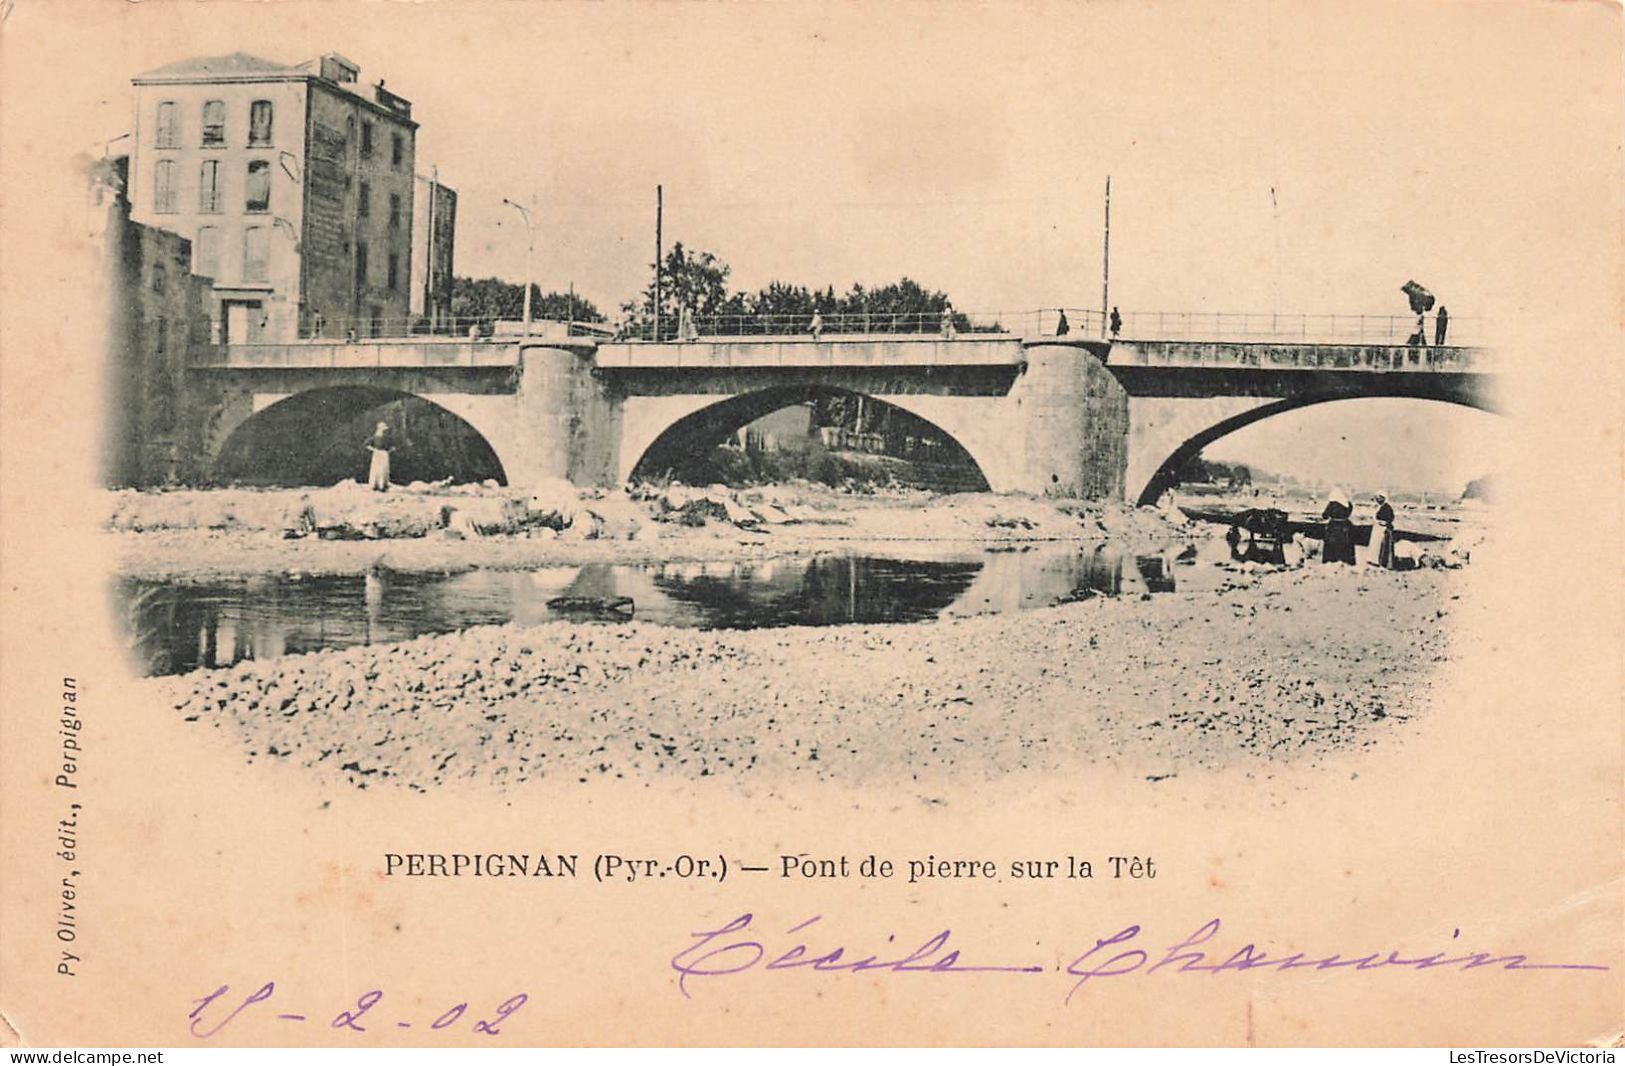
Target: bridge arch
<point>676,437</point>
<point>318,437</point>
<point>1177,452</point>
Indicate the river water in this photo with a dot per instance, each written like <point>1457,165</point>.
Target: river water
<point>175,627</point>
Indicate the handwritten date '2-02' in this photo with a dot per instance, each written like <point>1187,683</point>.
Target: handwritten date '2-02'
<point>215,1011</point>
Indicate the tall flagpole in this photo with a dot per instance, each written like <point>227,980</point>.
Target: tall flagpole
<point>660,207</point>
<point>1106,265</point>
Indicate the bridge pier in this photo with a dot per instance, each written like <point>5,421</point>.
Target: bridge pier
<point>568,424</point>
<point>1069,417</point>
<point>1058,431</point>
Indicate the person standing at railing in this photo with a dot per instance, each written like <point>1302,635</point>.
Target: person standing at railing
<point>948,322</point>
<point>816,327</point>
<point>378,470</point>
<point>316,323</point>
<point>1117,322</point>
<point>1441,322</point>
<point>1062,327</point>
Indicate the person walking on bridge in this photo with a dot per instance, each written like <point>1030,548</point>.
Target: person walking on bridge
<point>816,327</point>
<point>1063,327</point>
<point>1117,322</point>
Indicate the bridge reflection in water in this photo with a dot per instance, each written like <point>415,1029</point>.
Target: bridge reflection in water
<point>176,627</point>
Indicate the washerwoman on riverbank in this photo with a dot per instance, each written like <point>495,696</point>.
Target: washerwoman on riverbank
<point>379,446</point>
<point>1339,539</point>
<point>1384,530</point>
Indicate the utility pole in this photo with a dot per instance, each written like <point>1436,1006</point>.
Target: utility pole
<point>660,205</point>
<point>530,249</point>
<point>429,304</point>
<point>1106,264</point>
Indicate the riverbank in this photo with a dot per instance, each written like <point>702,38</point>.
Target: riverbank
<point>196,535</point>
<point>1265,668</point>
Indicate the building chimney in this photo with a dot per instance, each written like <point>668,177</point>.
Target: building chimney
<point>335,67</point>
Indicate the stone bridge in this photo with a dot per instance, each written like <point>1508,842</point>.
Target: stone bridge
<point>1040,415</point>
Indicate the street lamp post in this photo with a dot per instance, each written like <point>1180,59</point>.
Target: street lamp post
<point>530,250</point>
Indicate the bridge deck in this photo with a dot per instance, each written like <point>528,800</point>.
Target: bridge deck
<point>1370,358</point>
<point>850,350</point>
<point>349,355</point>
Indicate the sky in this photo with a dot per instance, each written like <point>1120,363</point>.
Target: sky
<point>1268,157</point>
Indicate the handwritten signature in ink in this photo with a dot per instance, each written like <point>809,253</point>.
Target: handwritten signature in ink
<point>740,946</point>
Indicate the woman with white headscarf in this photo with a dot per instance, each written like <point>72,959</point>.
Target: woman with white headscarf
<point>379,446</point>
<point>1339,536</point>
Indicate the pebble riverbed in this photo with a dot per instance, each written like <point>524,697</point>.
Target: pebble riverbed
<point>1263,668</point>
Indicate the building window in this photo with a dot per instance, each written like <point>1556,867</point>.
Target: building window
<point>397,150</point>
<point>366,139</point>
<point>394,270</point>
<point>394,210</point>
<point>161,341</point>
<point>360,265</point>
<point>257,195</point>
<point>168,135</point>
<point>363,201</point>
<point>206,252</point>
<point>214,123</point>
<point>163,187</point>
<point>259,123</point>
<point>256,254</point>
<point>159,275</point>
<point>208,187</point>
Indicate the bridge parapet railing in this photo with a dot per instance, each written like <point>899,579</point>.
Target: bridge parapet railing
<point>832,326</point>
<point>878,350</point>
<point>467,328</point>
<point>1376,358</point>
<point>1075,323</point>
<point>376,354</point>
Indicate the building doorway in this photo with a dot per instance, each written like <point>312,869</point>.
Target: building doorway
<point>243,322</point>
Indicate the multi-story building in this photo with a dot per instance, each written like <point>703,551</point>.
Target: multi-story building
<point>295,186</point>
<point>434,228</point>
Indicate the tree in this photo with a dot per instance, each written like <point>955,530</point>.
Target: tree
<point>485,300</point>
<point>561,307</point>
<point>697,281</point>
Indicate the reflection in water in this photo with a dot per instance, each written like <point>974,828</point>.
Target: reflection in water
<point>175,628</point>
<point>822,591</point>
<point>1156,571</point>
